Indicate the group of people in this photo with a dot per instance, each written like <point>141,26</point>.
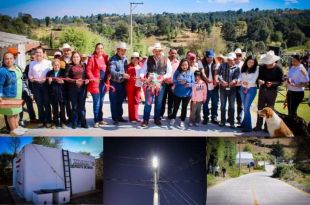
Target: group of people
<point>59,87</point>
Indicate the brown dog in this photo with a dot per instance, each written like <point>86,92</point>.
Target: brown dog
<point>276,126</point>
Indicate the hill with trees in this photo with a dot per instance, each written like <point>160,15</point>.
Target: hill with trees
<point>251,30</point>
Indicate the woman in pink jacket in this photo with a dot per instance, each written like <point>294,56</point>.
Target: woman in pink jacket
<point>97,73</point>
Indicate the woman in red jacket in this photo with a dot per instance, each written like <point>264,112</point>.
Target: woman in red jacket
<point>133,87</point>
<point>97,73</point>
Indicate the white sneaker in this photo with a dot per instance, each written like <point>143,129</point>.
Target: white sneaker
<point>22,129</point>
<point>172,121</point>
<point>17,132</point>
<point>182,125</point>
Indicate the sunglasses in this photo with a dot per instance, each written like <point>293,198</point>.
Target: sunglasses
<point>239,55</point>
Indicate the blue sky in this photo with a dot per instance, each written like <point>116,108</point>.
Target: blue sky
<point>94,145</point>
<point>40,9</point>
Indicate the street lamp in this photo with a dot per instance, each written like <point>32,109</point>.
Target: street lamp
<point>155,164</point>
<point>135,4</point>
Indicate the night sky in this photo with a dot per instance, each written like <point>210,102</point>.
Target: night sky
<point>128,172</point>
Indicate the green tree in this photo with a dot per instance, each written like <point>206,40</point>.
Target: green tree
<point>295,38</point>
<point>277,36</point>
<point>121,31</point>
<point>85,153</point>
<point>277,150</point>
<point>48,141</point>
<point>229,32</point>
<point>82,39</point>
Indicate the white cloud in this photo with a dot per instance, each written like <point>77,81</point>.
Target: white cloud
<point>229,1</point>
<point>83,142</point>
<point>288,2</point>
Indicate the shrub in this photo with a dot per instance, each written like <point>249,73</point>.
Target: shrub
<point>286,172</point>
<point>210,179</point>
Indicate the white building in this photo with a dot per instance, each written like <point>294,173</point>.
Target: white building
<point>22,43</point>
<point>245,158</point>
<point>37,168</point>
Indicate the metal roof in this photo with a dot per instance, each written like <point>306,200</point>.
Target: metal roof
<point>245,155</point>
<point>9,39</point>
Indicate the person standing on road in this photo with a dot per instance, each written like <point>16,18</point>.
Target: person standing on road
<point>169,84</point>
<point>11,88</point>
<point>37,75</point>
<point>133,87</point>
<point>297,81</point>
<point>97,73</point>
<point>199,97</point>
<point>118,66</point>
<point>155,70</point>
<point>228,77</point>
<point>269,79</point>
<point>209,71</point>
<point>239,63</point>
<point>184,81</point>
<point>248,90</point>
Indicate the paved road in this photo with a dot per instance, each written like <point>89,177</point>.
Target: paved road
<point>256,189</point>
<point>133,129</point>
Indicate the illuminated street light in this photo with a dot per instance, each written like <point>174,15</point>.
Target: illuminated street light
<point>155,164</point>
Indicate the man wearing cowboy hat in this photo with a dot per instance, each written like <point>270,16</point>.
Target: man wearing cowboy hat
<point>228,77</point>
<point>65,61</point>
<point>269,78</point>
<point>118,66</point>
<point>239,63</point>
<point>155,65</point>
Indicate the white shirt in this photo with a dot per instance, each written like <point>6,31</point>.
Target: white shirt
<point>239,65</point>
<point>168,74</point>
<point>38,70</point>
<point>138,76</point>
<point>296,75</point>
<point>250,78</point>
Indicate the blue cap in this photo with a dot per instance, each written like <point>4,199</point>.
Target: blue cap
<point>209,53</point>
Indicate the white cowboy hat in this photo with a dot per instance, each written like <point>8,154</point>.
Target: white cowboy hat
<point>156,46</point>
<point>231,56</point>
<point>238,50</point>
<point>66,46</point>
<point>269,58</point>
<point>121,45</point>
<point>135,55</point>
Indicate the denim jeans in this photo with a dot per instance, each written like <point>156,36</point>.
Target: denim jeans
<point>229,95</point>
<point>149,98</point>
<point>247,99</point>
<point>212,95</point>
<point>116,100</point>
<point>41,97</point>
<point>98,103</point>
<point>78,97</point>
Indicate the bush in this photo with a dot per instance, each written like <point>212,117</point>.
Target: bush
<point>210,179</point>
<point>286,172</point>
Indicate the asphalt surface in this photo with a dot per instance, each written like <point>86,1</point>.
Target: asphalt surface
<point>256,189</point>
<point>134,129</point>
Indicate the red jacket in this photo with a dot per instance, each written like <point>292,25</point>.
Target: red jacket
<point>93,73</point>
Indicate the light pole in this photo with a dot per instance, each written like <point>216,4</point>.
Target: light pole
<point>133,5</point>
<point>155,164</point>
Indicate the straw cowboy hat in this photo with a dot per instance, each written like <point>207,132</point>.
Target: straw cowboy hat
<point>135,55</point>
<point>269,58</point>
<point>66,46</point>
<point>121,45</point>
<point>156,46</point>
<point>231,56</point>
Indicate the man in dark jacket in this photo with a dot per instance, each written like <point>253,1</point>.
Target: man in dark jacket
<point>228,77</point>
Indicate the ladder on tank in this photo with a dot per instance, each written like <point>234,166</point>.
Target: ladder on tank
<point>67,171</point>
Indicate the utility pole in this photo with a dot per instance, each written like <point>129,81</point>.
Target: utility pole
<point>133,5</point>
<point>155,163</point>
